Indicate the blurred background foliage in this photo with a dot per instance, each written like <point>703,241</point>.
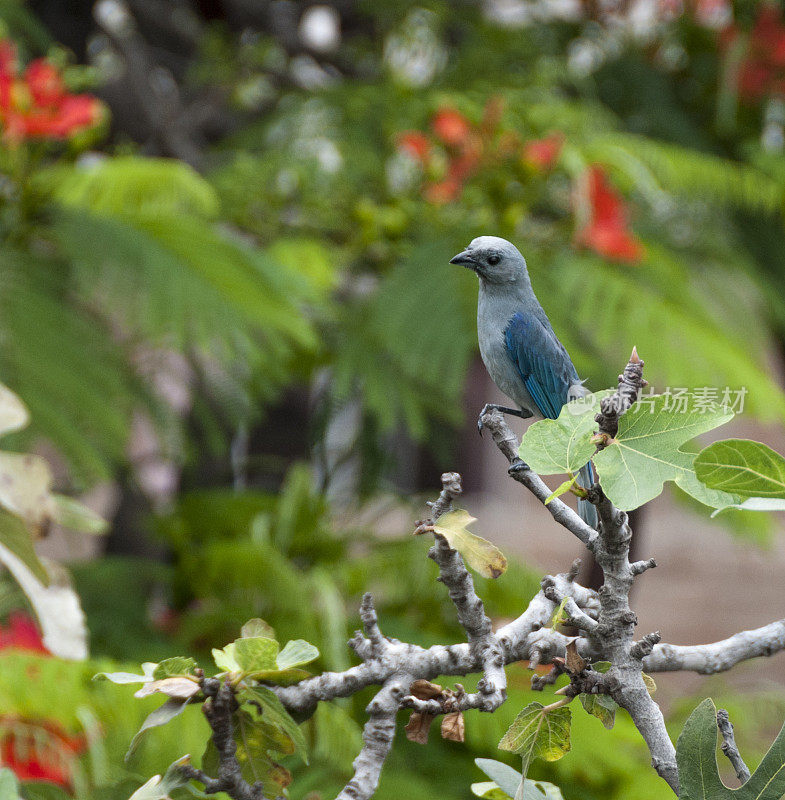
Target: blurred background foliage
<point>224,293</point>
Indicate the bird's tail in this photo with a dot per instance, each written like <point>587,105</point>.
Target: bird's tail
<point>588,511</point>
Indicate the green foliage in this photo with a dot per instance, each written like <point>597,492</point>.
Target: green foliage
<point>262,727</point>
<point>646,452</point>
<point>696,755</point>
<point>600,706</point>
<point>655,167</point>
<point>563,445</point>
<point>539,732</point>
<point>132,184</point>
<point>742,467</point>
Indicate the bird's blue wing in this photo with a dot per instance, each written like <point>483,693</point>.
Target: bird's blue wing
<point>542,361</point>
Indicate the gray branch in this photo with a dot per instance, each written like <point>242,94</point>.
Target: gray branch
<point>494,422</point>
<point>707,659</point>
<point>729,748</point>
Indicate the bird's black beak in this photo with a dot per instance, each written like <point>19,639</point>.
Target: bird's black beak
<point>464,259</point>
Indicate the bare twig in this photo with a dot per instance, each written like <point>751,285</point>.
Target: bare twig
<point>729,748</point>
<point>631,382</point>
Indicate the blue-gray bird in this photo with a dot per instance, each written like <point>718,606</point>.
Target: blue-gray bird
<point>521,352</point>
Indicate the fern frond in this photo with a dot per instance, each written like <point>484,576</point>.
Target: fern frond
<point>407,350</point>
<point>637,314</point>
<point>131,184</point>
<point>688,173</point>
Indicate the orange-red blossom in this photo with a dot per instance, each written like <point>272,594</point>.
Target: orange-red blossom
<point>36,104</point>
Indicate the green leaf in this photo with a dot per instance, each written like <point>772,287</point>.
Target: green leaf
<point>148,185</point>
<point>273,711</point>
<point>163,714</point>
<point>490,791</point>
<point>743,467</point>
<point>173,667</point>
<point>255,740</point>
<point>480,554</point>
<point>158,787</point>
<point>13,413</point>
<point>296,653</point>
<point>755,504</point>
<point>559,617</point>
<point>555,446</point>
<point>255,628</point>
<point>281,677</point>
<point>15,536</point>
<point>647,452</point>
<point>503,775</point>
<point>255,654</point>
<point>9,785</point>
<point>72,514</point>
<point>225,659</point>
<point>538,733</point>
<point>600,706</point>
<point>561,489</point>
<point>696,756</point>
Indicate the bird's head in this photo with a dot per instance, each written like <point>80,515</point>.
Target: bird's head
<point>495,260</point>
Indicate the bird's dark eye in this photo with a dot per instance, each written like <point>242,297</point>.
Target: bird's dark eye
<point>494,260</point>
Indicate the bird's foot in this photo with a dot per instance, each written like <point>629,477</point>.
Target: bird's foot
<point>519,465</point>
<point>488,407</point>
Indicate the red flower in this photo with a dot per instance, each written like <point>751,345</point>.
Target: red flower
<point>36,105</point>
<point>44,81</point>
<point>451,126</point>
<point>543,153</point>
<point>39,751</point>
<point>415,144</point>
<point>21,634</point>
<point>606,232</point>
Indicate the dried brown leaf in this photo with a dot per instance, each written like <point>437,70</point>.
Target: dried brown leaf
<point>425,690</point>
<point>453,727</point>
<point>418,727</point>
<point>574,663</point>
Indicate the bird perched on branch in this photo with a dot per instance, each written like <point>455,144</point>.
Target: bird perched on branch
<point>521,352</point>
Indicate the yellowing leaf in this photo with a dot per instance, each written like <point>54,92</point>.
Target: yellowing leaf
<point>25,483</point>
<point>480,554</point>
<point>256,653</point>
